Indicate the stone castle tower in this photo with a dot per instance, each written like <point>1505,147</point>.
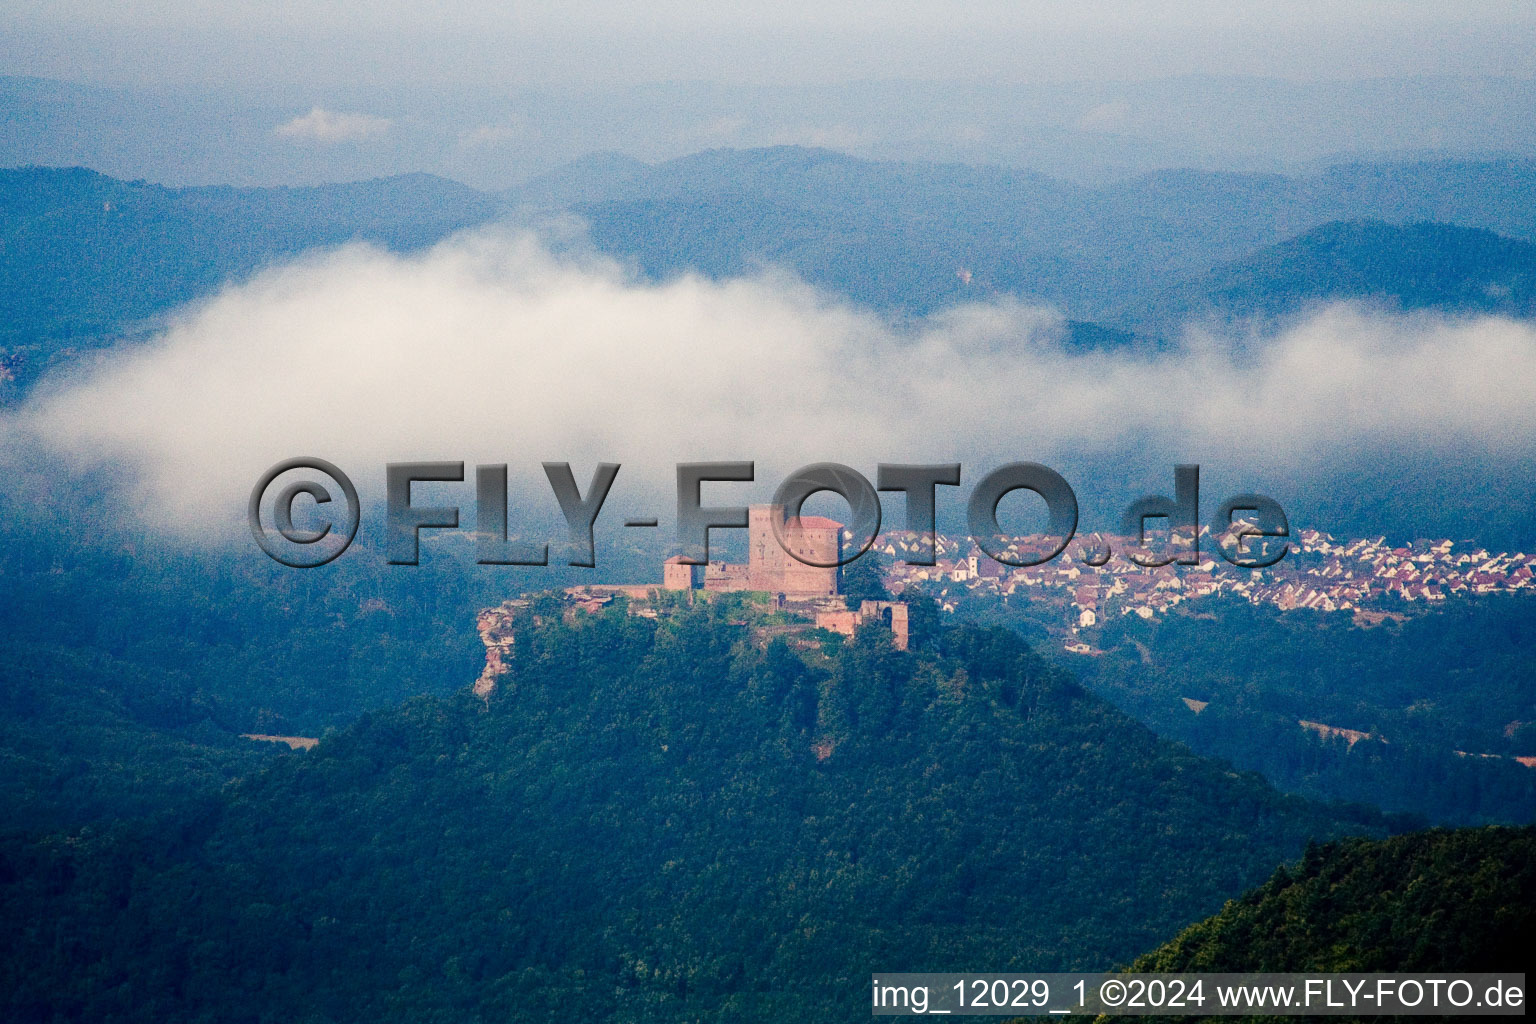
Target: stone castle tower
<point>769,567</point>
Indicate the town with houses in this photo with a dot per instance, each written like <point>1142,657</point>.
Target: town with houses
<point>1367,578</point>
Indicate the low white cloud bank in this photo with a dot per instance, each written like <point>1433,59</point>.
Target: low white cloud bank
<point>488,348</point>
<point>329,126</point>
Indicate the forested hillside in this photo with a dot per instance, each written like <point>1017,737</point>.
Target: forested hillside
<point>129,668</point>
<point>658,819</point>
<point>1423,714</point>
<point>1430,901</point>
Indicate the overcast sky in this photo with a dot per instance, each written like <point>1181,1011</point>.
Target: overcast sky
<point>496,43</point>
<point>494,92</point>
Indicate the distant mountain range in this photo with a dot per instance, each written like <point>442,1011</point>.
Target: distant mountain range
<point>898,236</point>
<point>1092,128</point>
<point>84,257</point>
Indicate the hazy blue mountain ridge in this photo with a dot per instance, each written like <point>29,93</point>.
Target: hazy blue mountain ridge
<point>1402,267</point>
<point>84,257</point>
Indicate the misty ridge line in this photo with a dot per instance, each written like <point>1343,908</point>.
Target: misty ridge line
<point>490,345</point>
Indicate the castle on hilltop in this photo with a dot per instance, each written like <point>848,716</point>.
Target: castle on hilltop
<point>769,567</point>
<point>773,570</point>
<point>812,595</point>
